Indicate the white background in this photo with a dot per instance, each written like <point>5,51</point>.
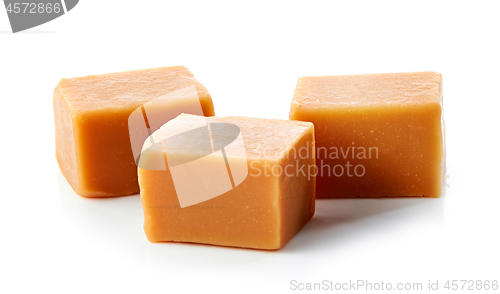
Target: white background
<point>249,56</point>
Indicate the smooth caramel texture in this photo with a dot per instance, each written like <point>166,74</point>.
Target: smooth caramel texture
<point>93,148</point>
<point>398,116</point>
<point>262,212</point>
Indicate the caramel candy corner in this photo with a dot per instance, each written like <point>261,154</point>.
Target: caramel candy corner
<point>92,122</point>
<point>238,186</point>
<point>377,135</point>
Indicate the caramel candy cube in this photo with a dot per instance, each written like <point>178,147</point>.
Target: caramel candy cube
<point>230,181</point>
<point>377,135</point>
<point>100,119</point>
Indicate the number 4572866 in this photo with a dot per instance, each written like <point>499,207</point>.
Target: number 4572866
<point>471,285</point>
<point>34,8</point>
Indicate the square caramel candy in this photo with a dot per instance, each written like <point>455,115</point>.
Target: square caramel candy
<point>377,135</point>
<point>230,181</point>
<point>101,123</point>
